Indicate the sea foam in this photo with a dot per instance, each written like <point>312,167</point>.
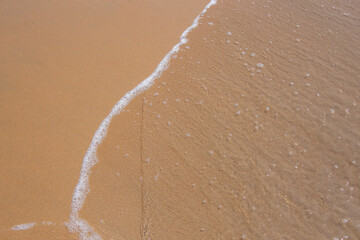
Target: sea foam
<point>80,226</point>
<point>24,226</point>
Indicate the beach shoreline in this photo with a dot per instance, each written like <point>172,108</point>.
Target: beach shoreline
<point>64,65</point>
<point>250,128</point>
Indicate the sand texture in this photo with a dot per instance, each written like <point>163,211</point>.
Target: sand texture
<point>63,65</point>
<point>252,132</point>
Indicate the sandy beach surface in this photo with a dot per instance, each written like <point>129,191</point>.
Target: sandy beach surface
<point>252,131</point>
<point>63,65</point>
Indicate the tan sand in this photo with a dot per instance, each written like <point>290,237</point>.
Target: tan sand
<point>63,65</point>
<point>234,145</point>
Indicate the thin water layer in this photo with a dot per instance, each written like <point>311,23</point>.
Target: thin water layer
<point>251,133</point>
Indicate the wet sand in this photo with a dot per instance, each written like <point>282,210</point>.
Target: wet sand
<point>253,132</point>
<point>63,66</point>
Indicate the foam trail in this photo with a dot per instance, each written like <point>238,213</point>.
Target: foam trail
<point>76,224</point>
<point>22,227</point>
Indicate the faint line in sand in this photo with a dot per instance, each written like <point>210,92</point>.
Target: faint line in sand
<point>76,224</point>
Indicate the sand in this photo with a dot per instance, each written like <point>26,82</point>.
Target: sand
<point>253,132</point>
<point>63,66</point>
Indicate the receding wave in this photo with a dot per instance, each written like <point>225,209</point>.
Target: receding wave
<point>76,224</point>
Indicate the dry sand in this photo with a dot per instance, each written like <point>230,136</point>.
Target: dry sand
<point>63,65</point>
<point>252,133</point>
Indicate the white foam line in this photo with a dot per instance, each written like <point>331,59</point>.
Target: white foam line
<point>22,227</point>
<point>76,224</point>
<point>26,226</point>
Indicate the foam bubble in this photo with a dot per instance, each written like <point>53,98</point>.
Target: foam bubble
<point>22,227</point>
<point>76,224</point>
<point>260,65</point>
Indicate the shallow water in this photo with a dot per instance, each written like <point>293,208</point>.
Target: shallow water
<point>253,132</point>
